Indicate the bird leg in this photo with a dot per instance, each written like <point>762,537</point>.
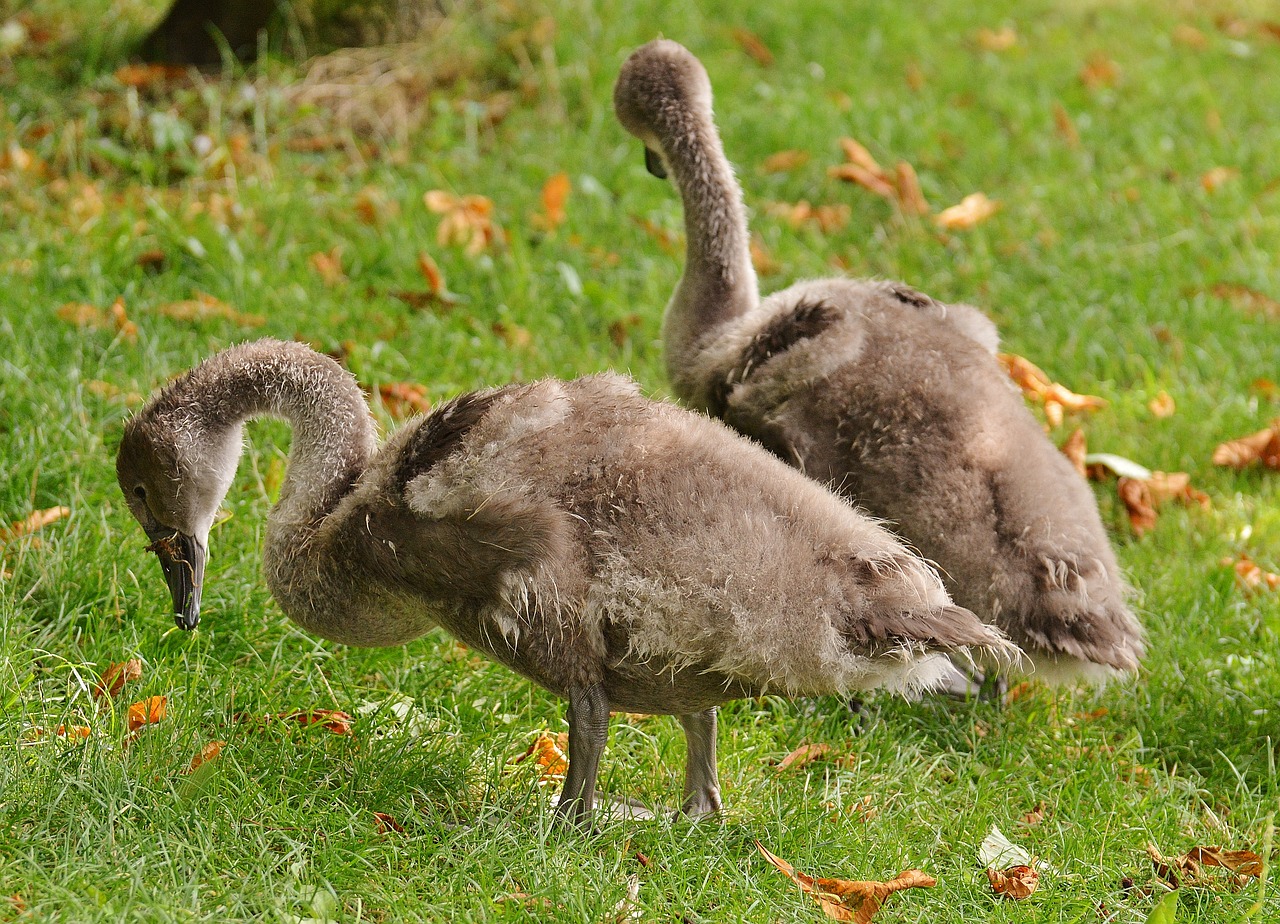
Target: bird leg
<point>701,785</point>
<point>588,731</point>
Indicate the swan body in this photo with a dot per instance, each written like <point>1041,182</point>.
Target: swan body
<point>620,552</point>
<point>883,393</point>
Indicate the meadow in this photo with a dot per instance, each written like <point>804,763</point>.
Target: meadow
<point>149,219</point>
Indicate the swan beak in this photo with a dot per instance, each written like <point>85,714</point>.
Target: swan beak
<point>653,163</point>
<point>182,558</point>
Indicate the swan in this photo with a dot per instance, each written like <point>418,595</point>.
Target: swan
<point>622,553</point>
<point>885,394</point>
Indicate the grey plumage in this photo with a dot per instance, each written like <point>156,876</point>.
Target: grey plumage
<point>886,395</point>
<point>620,552</point>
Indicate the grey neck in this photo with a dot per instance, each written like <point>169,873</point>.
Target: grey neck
<point>719,282</point>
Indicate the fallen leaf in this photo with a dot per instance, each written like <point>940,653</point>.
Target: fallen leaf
<point>804,755</point>
<point>145,76</point>
<point>1262,447</point>
<point>1189,869</point>
<point>467,220</point>
<point>854,173</point>
<point>148,712</point>
<point>1100,71</point>
<point>1248,299</point>
<point>1249,574</point>
<point>1075,450</point>
<point>1015,882</point>
<point>437,290</point>
<point>828,218</point>
<point>1001,39</point>
<point>907,188</point>
<point>116,676</point>
<point>207,753</point>
<point>70,732</point>
<point>1103,465</point>
<point>1215,179</point>
<point>764,262</point>
<point>512,334</point>
<point>1035,816</point>
<point>404,399</point>
<point>785,161</point>
<point>335,720</point>
<point>151,261</point>
<point>667,240</point>
<point>114,318</point>
<point>1189,35</point>
<point>548,753</point>
<point>627,909</point>
<point>1162,405</point>
<point>620,329</point>
<point>972,210</point>
<point>1036,386</point>
<point>850,900</point>
<point>204,306</point>
<point>386,824</point>
<point>554,193</point>
<point>329,266</point>
<point>373,206</point>
<point>35,521</point>
<point>1065,127</point>
<point>753,45</point>
<point>997,850</point>
<point>914,76</point>
<point>858,155</point>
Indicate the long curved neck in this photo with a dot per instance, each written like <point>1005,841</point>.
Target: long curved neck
<point>333,432</point>
<point>719,282</point>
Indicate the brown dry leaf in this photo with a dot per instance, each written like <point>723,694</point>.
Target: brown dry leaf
<point>1213,180</point>
<point>877,183</point>
<point>1249,573</point>
<point>329,266</point>
<point>1189,869</point>
<point>828,218</point>
<point>70,732</point>
<point>373,206</point>
<point>972,210</point>
<point>1035,816</point>
<point>513,335</point>
<point>207,753</point>
<point>114,318</point>
<point>1001,39</point>
<point>335,720</point>
<point>907,187</point>
<point>1262,447</point>
<point>850,900</point>
<point>785,161</point>
<point>764,262</point>
<point>1142,496</point>
<point>1016,882</point>
<point>1247,299</point>
<point>145,76</point>
<point>1137,500</point>
<point>467,220</point>
<point>1075,448</point>
<point>35,521</point>
<point>204,306</point>
<point>1189,35</point>
<point>1064,125</point>
<point>753,45</point>
<point>1100,71</point>
<point>620,329</point>
<point>667,240</point>
<point>1265,387</point>
<point>804,755</point>
<point>1162,405</point>
<point>1036,386</point>
<point>549,755</point>
<point>1176,486</point>
<point>857,154</point>
<point>404,399</point>
<point>14,157</point>
<point>386,823</point>
<point>554,193</point>
<point>148,712</point>
<point>116,676</point>
<point>151,261</point>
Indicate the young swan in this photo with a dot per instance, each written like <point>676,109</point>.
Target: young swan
<point>622,553</point>
<point>887,395</point>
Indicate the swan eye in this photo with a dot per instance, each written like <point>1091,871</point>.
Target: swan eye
<point>140,492</point>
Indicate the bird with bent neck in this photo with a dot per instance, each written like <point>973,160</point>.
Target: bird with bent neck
<point>620,552</point>
<point>888,396</point>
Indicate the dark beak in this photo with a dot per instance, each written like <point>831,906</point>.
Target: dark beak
<point>653,163</point>
<point>182,558</point>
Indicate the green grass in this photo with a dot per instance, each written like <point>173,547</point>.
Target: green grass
<point>1098,267</point>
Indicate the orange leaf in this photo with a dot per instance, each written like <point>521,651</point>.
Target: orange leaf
<point>873,182</point>
<point>554,193</point>
<point>548,753</point>
<point>148,712</point>
<point>761,259</point>
<point>1246,298</point>
<point>804,755</point>
<point>142,76</point>
<point>329,266</point>
<point>206,306</point>
<point>466,220</point>
<point>207,753</point>
<point>1263,447</point>
<point>1213,180</point>
<point>972,210</point>
<point>434,276</point>
<point>753,45</point>
<point>372,206</point>
<point>334,720</point>
<point>1099,72</point>
<point>855,153</point>
<point>1138,502</point>
<point>116,676</point>
<point>1189,35</point>
<point>1036,386</point>
<point>1162,405</point>
<point>1001,39</point>
<point>404,399</point>
<point>1065,127</point>
<point>907,187</point>
<point>850,900</point>
<point>784,161</point>
<point>38,520</point>
<point>1249,574</point>
<point>1141,496</point>
<point>1015,882</point>
<point>114,318</point>
<point>1035,816</point>
<point>1075,448</point>
<point>70,732</point>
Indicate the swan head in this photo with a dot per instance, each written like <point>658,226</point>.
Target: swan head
<point>174,479</point>
<point>662,94</point>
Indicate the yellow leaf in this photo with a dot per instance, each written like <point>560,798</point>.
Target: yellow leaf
<point>1213,180</point>
<point>1001,39</point>
<point>1162,405</point>
<point>785,161</point>
<point>972,210</point>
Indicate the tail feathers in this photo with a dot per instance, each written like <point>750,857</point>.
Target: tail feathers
<point>939,630</point>
<point>1070,640</point>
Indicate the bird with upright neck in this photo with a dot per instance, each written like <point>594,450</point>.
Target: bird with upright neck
<point>622,553</point>
<point>884,394</point>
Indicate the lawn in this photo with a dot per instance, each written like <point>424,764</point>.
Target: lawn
<point>212,209</point>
